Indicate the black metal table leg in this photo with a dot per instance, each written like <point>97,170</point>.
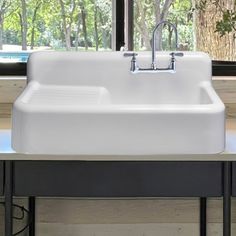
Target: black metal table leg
<point>32,216</point>
<point>203,216</point>
<point>227,199</point>
<point>8,198</point>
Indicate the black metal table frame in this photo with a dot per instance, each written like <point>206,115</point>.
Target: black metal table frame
<point>227,190</point>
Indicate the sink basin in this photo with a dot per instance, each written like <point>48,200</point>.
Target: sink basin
<point>91,104</point>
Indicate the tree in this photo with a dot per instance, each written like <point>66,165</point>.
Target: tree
<point>35,8</point>
<point>141,10</point>
<point>84,25</point>
<point>228,22</point>
<point>180,14</point>
<point>144,14</point>
<point>215,23</point>
<point>96,24</point>
<point>4,5</point>
<point>161,15</point>
<point>77,31</point>
<point>67,13</point>
<point>23,23</point>
<point>56,23</point>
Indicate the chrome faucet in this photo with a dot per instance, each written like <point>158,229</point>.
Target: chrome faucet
<point>171,68</point>
<point>153,65</point>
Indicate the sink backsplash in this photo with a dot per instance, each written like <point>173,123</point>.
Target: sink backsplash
<point>111,71</point>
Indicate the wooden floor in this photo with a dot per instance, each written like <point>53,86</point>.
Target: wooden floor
<point>5,123</point>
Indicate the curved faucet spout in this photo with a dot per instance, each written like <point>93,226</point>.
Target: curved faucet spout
<point>153,65</point>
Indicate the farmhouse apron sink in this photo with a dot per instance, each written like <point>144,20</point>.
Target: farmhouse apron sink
<point>90,103</point>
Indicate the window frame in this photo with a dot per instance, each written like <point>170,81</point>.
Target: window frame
<point>123,12</point>
<point>224,68</point>
<point>13,68</point>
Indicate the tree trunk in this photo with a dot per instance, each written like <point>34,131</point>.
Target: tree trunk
<point>104,41</point>
<point>4,6</point>
<point>207,40</point>
<point>157,6</point>
<point>1,31</point>
<point>77,33</point>
<point>66,28</point>
<point>84,26</point>
<point>32,38</point>
<point>161,15</point>
<point>24,26</point>
<point>33,25</point>
<point>96,25</point>
<point>170,30</point>
<point>142,28</point>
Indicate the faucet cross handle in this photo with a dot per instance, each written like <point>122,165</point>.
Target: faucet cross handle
<point>172,61</point>
<point>177,54</point>
<point>134,65</point>
<point>130,54</point>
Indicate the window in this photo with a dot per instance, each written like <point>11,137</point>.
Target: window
<point>72,25</point>
<point>98,25</point>
<point>32,25</point>
<point>148,13</point>
<point>208,26</point>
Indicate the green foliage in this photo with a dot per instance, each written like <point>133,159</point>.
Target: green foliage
<point>227,24</point>
<point>44,21</point>
<point>201,5</point>
<point>179,13</point>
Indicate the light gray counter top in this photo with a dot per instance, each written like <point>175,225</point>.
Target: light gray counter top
<point>6,153</point>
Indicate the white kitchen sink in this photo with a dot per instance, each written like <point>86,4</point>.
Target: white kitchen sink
<point>91,104</point>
